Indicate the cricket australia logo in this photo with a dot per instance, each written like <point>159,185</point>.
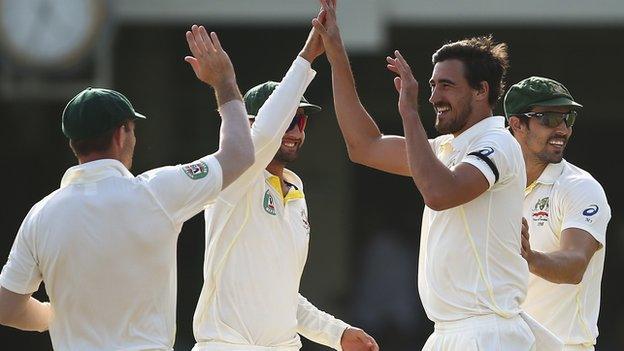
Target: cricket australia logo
<point>269,203</point>
<point>197,170</point>
<point>540,211</point>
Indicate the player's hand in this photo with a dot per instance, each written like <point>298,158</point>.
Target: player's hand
<point>526,244</point>
<point>327,27</point>
<point>313,47</point>
<point>210,62</point>
<point>405,84</point>
<point>355,339</point>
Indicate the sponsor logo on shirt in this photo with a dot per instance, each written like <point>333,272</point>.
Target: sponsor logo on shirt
<point>590,211</point>
<point>540,211</point>
<point>197,170</point>
<point>486,151</point>
<point>269,203</point>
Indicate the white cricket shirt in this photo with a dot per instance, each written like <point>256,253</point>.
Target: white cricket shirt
<point>469,261</point>
<point>257,245</point>
<point>104,244</point>
<point>565,196</point>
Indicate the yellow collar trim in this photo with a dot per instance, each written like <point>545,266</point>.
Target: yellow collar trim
<point>292,194</point>
<point>530,188</point>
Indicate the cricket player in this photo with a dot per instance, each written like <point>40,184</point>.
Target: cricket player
<point>104,243</point>
<point>471,276</point>
<point>257,235</point>
<point>565,212</point>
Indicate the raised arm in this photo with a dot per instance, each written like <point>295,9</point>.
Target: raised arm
<point>365,143</point>
<point>276,114</point>
<point>441,187</point>
<point>212,66</point>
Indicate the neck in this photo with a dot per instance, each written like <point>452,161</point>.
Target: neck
<point>99,156</point>
<point>94,157</point>
<point>277,169</point>
<point>475,117</point>
<point>534,168</point>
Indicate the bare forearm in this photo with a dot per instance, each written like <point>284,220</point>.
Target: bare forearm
<point>32,316</point>
<point>236,151</point>
<point>356,125</point>
<point>560,267</point>
<point>432,178</point>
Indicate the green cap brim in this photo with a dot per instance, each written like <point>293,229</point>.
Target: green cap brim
<point>306,106</point>
<point>560,101</point>
<point>310,108</point>
<point>139,115</point>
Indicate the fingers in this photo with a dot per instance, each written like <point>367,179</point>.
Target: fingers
<point>322,16</point>
<point>329,6</point>
<point>206,39</point>
<point>397,84</point>
<point>319,27</point>
<point>194,64</point>
<point>190,39</point>
<point>199,40</point>
<point>392,65</point>
<point>215,41</point>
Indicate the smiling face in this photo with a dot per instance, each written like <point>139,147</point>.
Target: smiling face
<point>543,143</point>
<point>452,96</point>
<point>291,143</point>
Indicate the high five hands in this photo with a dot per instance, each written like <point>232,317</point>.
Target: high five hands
<point>210,62</point>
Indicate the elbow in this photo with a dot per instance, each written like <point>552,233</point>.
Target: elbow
<point>574,277</point>
<point>357,154</point>
<point>436,201</point>
<point>247,160</point>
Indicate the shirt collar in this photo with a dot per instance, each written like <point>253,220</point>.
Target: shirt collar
<point>466,137</point>
<point>93,171</point>
<point>290,177</point>
<point>551,173</point>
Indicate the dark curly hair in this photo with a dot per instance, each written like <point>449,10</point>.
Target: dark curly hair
<point>484,60</point>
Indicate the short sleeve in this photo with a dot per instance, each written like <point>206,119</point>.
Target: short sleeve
<point>21,273</point>
<point>493,156</point>
<point>584,206</point>
<point>184,190</point>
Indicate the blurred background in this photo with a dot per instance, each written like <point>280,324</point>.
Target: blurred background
<point>365,224</point>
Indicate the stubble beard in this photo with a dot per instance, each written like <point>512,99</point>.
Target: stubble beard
<point>456,124</point>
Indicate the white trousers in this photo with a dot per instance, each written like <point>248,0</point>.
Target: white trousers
<point>218,346</point>
<point>482,333</point>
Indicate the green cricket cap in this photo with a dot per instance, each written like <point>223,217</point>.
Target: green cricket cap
<point>95,111</point>
<point>258,95</point>
<point>537,91</point>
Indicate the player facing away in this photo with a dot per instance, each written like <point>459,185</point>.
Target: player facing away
<point>257,235</point>
<point>565,212</point>
<point>104,243</point>
<point>471,276</point>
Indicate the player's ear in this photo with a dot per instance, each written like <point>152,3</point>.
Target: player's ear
<point>516,125</point>
<point>483,91</point>
<point>119,138</point>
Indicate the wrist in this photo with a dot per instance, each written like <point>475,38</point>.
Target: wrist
<point>532,259</point>
<point>226,92</point>
<point>307,55</point>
